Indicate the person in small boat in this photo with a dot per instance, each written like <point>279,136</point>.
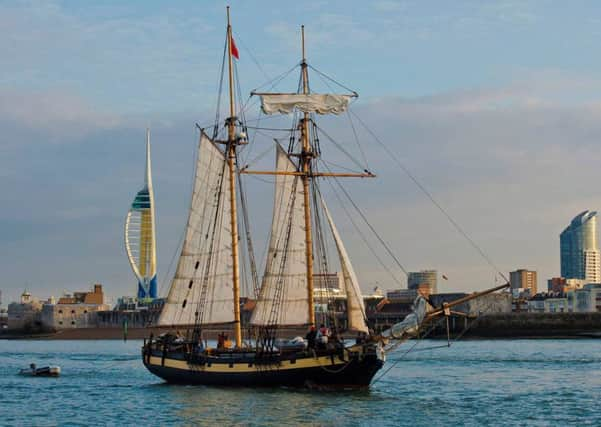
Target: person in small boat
<point>310,337</point>
<point>32,367</point>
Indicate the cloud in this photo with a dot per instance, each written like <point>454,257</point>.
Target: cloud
<point>512,164</point>
<point>53,116</point>
<point>328,29</point>
<point>101,50</point>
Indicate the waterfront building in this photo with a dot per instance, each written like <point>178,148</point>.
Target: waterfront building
<point>140,235</point>
<point>25,314</point>
<point>402,295</point>
<point>552,302</point>
<point>556,284</point>
<point>558,304</point>
<point>74,311</point>
<point>327,290</point>
<point>422,289</point>
<point>579,250</point>
<point>423,277</point>
<point>588,298</point>
<point>3,319</point>
<point>525,280</point>
<point>127,311</point>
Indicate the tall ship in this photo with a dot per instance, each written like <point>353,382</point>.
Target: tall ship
<point>205,292</point>
<point>140,235</point>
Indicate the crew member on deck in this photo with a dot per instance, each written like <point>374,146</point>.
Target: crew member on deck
<point>311,335</point>
<point>322,336</point>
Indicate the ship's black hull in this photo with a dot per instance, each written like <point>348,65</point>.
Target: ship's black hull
<point>336,369</point>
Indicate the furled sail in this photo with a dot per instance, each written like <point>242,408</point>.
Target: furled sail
<point>354,299</point>
<point>410,325</point>
<point>201,291</point>
<point>283,299</point>
<point>285,103</point>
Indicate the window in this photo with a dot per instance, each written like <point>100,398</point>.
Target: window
<point>72,311</point>
<point>60,312</point>
<point>60,322</point>
<point>73,322</point>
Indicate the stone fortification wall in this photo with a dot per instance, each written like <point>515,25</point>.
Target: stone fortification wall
<point>512,325</point>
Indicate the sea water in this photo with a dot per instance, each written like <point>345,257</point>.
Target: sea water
<point>502,382</point>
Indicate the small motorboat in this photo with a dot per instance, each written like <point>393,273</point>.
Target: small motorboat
<point>46,371</point>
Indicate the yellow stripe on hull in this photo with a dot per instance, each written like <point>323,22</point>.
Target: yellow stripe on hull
<point>304,363</point>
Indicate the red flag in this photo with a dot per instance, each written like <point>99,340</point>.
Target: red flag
<point>234,49</point>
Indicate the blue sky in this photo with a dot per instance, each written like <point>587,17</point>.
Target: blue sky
<point>493,105</point>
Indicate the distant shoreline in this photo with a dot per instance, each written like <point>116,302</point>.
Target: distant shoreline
<point>490,326</point>
<point>142,333</point>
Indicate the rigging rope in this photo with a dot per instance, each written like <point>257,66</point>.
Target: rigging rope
<point>373,230</point>
<point>432,199</point>
<point>249,244</point>
<point>331,79</point>
<point>362,235</point>
<point>220,91</point>
<point>355,161</point>
<point>348,114</point>
<point>432,328</point>
<point>396,362</point>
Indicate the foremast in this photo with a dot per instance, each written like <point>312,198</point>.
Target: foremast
<point>231,162</point>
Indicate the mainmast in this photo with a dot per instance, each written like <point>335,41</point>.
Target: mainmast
<point>305,159</point>
<point>281,284</point>
<point>231,160</point>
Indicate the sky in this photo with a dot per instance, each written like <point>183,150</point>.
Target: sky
<point>494,107</point>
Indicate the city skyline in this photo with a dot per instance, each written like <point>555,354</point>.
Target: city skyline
<point>501,137</point>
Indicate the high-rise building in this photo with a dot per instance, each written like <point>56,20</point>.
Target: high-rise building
<point>579,250</point>
<point>524,279</point>
<point>423,277</point>
<point>140,240</point>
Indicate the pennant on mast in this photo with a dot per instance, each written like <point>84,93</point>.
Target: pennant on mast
<point>234,49</point>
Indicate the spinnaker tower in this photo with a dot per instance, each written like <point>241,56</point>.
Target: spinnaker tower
<point>140,235</point>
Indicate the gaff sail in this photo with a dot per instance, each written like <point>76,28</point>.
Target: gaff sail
<point>283,299</point>
<point>201,291</point>
<point>285,103</point>
<point>354,299</point>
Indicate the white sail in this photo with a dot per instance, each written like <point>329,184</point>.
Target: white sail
<point>355,305</point>
<point>203,279</point>
<point>285,103</point>
<point>283,299</point>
